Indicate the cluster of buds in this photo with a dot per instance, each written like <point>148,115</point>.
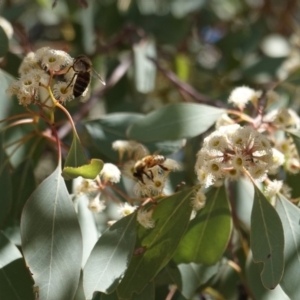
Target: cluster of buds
<point>45,67</point>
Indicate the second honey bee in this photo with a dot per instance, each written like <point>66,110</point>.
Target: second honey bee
<point>82,67</point>
<point>143,166</point>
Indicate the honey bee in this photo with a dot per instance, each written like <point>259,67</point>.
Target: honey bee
<point>82,67</point>
<point>148,162</point>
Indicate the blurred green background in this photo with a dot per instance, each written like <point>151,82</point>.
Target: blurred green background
<point>212,46</point>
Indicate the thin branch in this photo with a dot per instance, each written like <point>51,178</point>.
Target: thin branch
<point>186,88</point>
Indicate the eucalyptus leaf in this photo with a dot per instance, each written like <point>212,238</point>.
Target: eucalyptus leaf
<point>51,239</point>
<point>5,102</point>
<point>145,69</point>
<point>174,122</point>
<point>258,291</point>
<point>104,131</point>
<point>110,257</point>
<point>295,134</point>
<point>208,233</point>
<point>244,200</point>
<point>76,156</point>
<point>3,42</point>
<point>148,293</point>
<point>267,240</point>
<point>23,178</point>
<point>15,280</point>
<point>194,275</point>
<point>89,171</point>
<point>5,186</point>
<point>290,216</point>
<point>88,227</point>
<point>156,246</point>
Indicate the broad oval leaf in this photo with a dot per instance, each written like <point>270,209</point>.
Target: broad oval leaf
<point>290,215</point>
<point>104,131</point>
<point>148,293</point>
<point>51,239</point>
<point>259,292</point>
<point>194,275</point>
<point>175,121</point>
<point>267,240</point>
<point>208,233</point>
<point>89,171</point>
<point>110,257</point>
<point>5,102</point>
<point>244,200</point>
<point>156,246</point>
<point>88,228</point>
<point>15,280</point>
<point>145,69</point>
<point>76,156</point>
<point>5,186</point>
<point>23,178</point>
<point>295,134</point>
<point>3,42</point>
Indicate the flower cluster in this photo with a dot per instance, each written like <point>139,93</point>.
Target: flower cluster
<point>93,188</point>
<point>232,150</point>
<point>42,68</point>
<point>149,171</point>
<point>150,174</point>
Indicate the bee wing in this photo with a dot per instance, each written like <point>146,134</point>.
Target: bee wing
<point>96,75</point>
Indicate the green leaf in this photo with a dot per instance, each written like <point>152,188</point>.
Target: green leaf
<point>171,217</point>
<point>112,296</point>
<point>289,215</point>
<point>209,232</point>
<point>194,275</point>
<point>22,141</point>
<point>23,178</point>
<point>295,134</point>
<point>76,156</point>
<point>5,102</point>
<point>104,131</point>
<point>51,239</point>
<point>15,280</point>
<point>145,69</point>
<point>175,121</point>
<point>148,293</point>
<point>258,291</point>
<point>110,257</point>
<point>88,227</point>
<point>267,240</point>
<point>244,200</point>
<point>89,171</point>
<point>5,186</point>
<point>3,42</point>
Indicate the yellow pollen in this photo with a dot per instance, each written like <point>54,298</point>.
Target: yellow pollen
<point>27,82</point>
<point>239,161</point>
<point>215,167</point>
<point>52,59</point>
<point>158,183</point>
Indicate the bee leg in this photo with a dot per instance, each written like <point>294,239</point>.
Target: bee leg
<point>148,200</point>
<point>71,81</point>
<point>164,168</point>
<point>179,186</point>
<point>150,177</point>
